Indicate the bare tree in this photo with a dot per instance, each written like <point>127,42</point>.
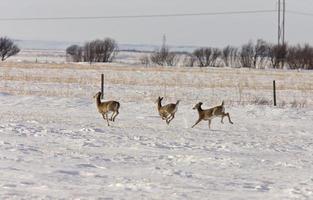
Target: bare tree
<point>100,50</point>
<point>7,48</point>
<point>300,57</point>
<point>277,55</point>
<point>307,57</point>
<point>247,55</point>
<point>230,56</point>
<point>203,56</point>
<point>216,54</point>
<point>226,55</point>
<point>294,53</point>
<point>164,57</point>
<point>75,52</point>
<point>89,54</point>
<point>261,53</point>
<point>207,56</point>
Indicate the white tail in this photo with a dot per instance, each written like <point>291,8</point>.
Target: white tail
<point>105,107</point>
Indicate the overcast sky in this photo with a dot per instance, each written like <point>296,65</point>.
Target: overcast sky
<point>200,30</point>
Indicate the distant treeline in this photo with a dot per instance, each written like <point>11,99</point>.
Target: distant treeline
<point>259,55</point>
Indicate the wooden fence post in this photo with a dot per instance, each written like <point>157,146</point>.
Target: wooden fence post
<point>274,92</point>
<point>102,85</point>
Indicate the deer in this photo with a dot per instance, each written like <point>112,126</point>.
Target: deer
<point>105,107</point>
<point>209,114</point>
<point>167,112</point>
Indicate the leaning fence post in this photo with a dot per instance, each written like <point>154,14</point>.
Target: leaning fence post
<point>102,85</point>
<point>274,92</point>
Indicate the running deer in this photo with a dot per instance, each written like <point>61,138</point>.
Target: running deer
<point>168,111</point>
<point>209,114</point>
<point>105,107</point>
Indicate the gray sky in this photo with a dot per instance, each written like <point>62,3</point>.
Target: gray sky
<point>200,31</point>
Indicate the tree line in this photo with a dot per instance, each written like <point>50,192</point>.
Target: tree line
<point>260,54</point>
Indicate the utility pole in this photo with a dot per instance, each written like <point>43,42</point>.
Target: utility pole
<point>278,33</point>
<point>281,28</point>
<point>284,20</point>
<point>281,22</point>
<point>164,41</point>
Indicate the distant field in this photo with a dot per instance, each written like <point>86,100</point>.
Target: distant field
<point>137,83</point>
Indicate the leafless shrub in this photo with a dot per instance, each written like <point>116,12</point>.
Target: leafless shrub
<point>94,51</point>
<point>300,57</point>
<point>75,53</point>
<point>255,55</point>
<point>261,53</point>
<point>216,54</point>
<point>203,55</point>
<point>207,56</point>
<point>164,57</point>
<point>100,50</point>
<point>229,55</point>
<point>226,55</point>
<point>7,48</point>
<point>261,101</point>
<point>277,55</point>
<point>247,55</point>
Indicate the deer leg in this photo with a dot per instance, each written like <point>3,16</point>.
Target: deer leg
<point>229,118</point>
<point>223,115</point>
<point>116,113</point>
<point>171,118</point>
<point>209,123</point>
<point>111,119</point>
<point>197,122</point>
<point>106,115</point>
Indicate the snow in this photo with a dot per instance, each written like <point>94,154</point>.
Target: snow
<point>59,147</point>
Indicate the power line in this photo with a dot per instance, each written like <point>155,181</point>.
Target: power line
<point>299,13</point>
<point>137,16</point>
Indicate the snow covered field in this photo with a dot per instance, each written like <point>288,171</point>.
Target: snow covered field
<point>54,144</point>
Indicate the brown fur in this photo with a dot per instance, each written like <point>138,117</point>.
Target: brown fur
<point>105,107</point>
<point>209,114</point>
<point>168,111</point>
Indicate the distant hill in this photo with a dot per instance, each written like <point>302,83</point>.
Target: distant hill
<point>59,45</point>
